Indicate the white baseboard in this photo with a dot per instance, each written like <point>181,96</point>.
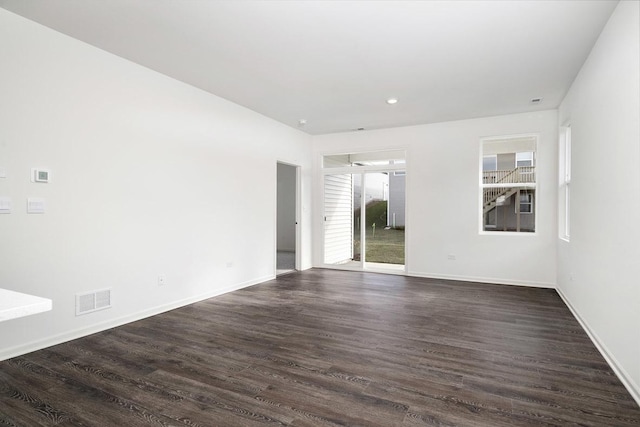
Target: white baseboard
<point>112,323</point>
<point>489,280</point>
<point>620,372</point>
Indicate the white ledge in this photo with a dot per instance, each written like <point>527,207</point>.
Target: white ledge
<point>16,304</point>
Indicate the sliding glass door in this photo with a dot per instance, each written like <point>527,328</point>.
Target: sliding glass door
<point>364,216</point>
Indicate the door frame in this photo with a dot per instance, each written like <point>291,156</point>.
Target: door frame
<point>298,216</point>
<point>363,170</point>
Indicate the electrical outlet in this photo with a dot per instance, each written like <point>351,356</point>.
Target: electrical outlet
<point>451,257</point>
<point>229,264</point>
<point>162,280</point>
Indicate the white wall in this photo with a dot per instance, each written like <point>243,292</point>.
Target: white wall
<point>443,164</point>
<point>150,176</point>
<point>599,269</point>
<point>286,205</point>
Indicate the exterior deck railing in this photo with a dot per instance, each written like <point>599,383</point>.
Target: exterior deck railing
<point>519,175</point>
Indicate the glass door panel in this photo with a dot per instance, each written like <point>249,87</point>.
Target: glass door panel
<point>384,219</point>
<point>357,216</point>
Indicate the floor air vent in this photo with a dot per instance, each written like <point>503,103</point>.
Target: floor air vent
<point>93,301</point>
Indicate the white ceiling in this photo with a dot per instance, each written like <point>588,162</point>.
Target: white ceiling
<point>334,63</point>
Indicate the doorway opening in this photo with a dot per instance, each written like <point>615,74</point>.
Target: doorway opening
<point>287,257</point>
<point>364,211</point>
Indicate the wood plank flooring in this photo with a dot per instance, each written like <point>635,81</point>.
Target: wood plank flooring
<point>330,348</point>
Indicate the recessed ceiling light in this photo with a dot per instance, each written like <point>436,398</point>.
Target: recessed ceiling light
<point>392,101</point>
<point>302,122</point>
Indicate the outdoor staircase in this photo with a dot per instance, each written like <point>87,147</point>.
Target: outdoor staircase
<point>493,199</point>
<point>519,175</point>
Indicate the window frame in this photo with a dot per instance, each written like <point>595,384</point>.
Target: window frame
<point>531,160</point>
<point>530,203</point>
<point>564,178</point>
<point>533,186</point>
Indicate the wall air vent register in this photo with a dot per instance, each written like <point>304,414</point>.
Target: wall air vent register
<point>93,301</point>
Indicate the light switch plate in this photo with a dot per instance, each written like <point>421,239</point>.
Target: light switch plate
<point>5,205</point>
<point>3,172</point>
<point>35,205</point>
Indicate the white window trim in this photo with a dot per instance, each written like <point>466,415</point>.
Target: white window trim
<point>564,205</point>
<point>481,228</point>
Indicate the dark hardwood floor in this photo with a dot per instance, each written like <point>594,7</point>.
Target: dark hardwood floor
<point>330,348</point>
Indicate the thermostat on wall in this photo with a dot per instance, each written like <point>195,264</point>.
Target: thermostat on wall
<point>40,175</point>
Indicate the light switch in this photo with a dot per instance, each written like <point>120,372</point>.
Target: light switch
<point>3,172</point>
<point>35,205</point>
<point>5,205</point>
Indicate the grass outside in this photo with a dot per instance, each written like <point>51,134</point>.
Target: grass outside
<point>384,246</point>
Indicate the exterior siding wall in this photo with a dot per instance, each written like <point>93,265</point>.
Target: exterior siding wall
<point>397,185</point>
<point>338,218</point>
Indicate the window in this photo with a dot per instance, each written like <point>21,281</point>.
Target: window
<point>379,158</point>
<point>524,164</point>
<point>564,205</point>
<point>524,159</point>
<point>508,184</point>
<point>526,202</point>
<point>490,163</point>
